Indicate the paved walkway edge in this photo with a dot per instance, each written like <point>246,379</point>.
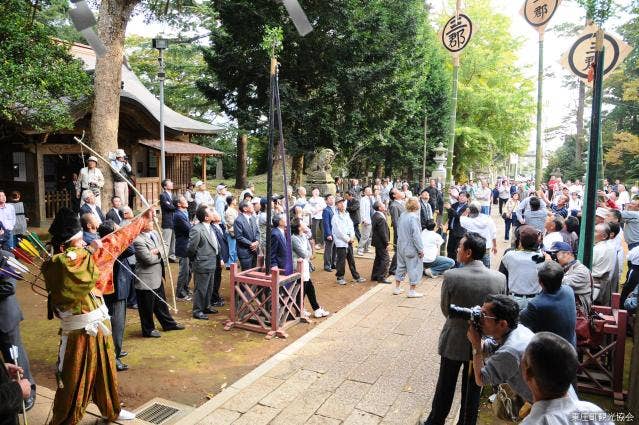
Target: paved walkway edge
<point>208,407</point>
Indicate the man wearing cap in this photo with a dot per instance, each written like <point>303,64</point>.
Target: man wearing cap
<point>121,170</point>
<point>202,196</point>
<point>220,200</point>
<point>343,236</point>
<point>91,178</point>
<point>576,275</point>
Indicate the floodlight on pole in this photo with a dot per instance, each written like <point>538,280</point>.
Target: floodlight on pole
<point>161,44</point>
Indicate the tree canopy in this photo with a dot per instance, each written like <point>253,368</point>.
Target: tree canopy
<point>39,80</point>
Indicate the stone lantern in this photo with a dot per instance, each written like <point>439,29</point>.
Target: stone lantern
<point>440,158</point>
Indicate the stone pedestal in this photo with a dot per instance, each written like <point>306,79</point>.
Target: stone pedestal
<point>318,172</point>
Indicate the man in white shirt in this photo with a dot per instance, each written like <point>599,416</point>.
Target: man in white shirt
<point>474,221</point>
<point>91,178</point>
<point>317,205</point>
<point>553,227</point>
<point>202,196</point>
<point>8,221</point>
<point>122,169</point>
<point>549,368</point>
<point>603,265</point>
<point>434,264</point>
<point>483,195</point>
<point>366,212</point>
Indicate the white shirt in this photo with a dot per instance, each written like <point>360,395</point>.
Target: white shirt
<point>603,259</point>
<point>365,209</point>
<point>483,195</point>
<point>318,204</point>
<point>93,175</point>
<point>8,216</point>
<point>624,198</point>
<point>574,204</point>
<point>432,241</point>
<point>551,238</point>
<point>343,230</point>
<point>203,197</point>
<point>481,224</point>
<point>566,411</point>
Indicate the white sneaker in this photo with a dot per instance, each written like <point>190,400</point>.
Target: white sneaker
<point>341,282</point>
<point>320,312</point>
<point>397,291</point>
<point>414,294</point>
<point>125,415</point>
<point>305,313</point>
<point>360,253</point>
<point>428,272</point>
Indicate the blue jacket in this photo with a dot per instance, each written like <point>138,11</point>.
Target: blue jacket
<point>181,227</point>
<point>168,209</point>
<point>222,242</point>
<point>278,249</point>
<point>327,218</point>
<point>122,277</point>
<point>554,313</point>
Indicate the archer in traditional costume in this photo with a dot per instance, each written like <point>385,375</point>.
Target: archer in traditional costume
<point>76,279</point>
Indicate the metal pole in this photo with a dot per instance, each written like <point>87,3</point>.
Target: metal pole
<point>540,79</point>
<point>587,232</point>
<point>162,150</point>
<point>453,119</point>
<point>424,158</point>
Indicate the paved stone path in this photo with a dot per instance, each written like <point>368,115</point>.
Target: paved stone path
<point>374,362</point>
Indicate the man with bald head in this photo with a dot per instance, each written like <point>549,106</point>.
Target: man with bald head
<point>603,265</point>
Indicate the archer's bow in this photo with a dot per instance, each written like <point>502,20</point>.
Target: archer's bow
<point>146,204</point>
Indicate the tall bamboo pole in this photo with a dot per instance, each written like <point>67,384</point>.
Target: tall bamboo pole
<point>453,120</point>
<point>540,79</point>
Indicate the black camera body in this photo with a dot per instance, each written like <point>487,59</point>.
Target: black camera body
<point>473,314</point>
<point>540,258</point>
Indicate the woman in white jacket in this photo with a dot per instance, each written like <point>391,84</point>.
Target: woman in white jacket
<point>302,250</point>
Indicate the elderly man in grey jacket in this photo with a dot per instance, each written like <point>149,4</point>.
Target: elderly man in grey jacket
<point>409,249</point>
<point>465,287</point>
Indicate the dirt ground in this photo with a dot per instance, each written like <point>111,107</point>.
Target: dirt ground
<point>184,366</point>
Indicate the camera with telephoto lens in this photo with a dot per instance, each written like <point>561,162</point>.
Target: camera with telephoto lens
<point>473,314</point>
<point>540,258</point>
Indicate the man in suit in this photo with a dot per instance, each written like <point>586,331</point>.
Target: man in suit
<point>10,318</point>
<point>203,249</point>
<point>396,209</point>
<point>278,242</point>
<point>150,270</point>
<point>167,205</point>
<point>352,206</point>
<point>90,206</point>
<point>381,239</point>
<point>327,228</point>
<point>114,213</point>
<point>425,209</point>
<point>221,259</point>
<point>247,236</point>
<point>455,229</point>
<point>552,310</point>
<point>366,214</point>
<point>465,287</point>
<point>181,228</point>
<point>435,198</point>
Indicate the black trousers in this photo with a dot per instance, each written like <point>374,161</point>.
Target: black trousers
<point>248,263</point>
<point>451,247</point>
<point>344,255</point>
<point>309,291</point>
<point>149,305</point>
<point>13,337</point>
<point>502,202</point>
<point>380,264</point>
<point>217,281</point>
<point>445,391</point>
<point>117,311</point>
<point>393,264</point>
<point>358,234</point>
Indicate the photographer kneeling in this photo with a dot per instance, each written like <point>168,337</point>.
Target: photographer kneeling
<point>498,350</point>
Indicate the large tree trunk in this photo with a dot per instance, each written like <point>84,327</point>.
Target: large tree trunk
<point>105,116</point>
<point>241,175</point>
<point>297,170</point>
<point>580,121</point>
<point>379,171</point>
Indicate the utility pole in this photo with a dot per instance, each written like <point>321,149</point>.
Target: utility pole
<point>423,181</point>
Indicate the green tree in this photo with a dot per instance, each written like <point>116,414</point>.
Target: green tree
<point>563,159</point>
<point>496,100</point>
<point>360,83</point>
<point>39,80</point>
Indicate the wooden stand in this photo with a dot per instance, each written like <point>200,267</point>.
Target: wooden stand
<point>601,367</point>
<point>266,303</point>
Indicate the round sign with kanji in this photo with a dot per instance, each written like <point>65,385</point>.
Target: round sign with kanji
<point>457,33</point>
<point>539,12</point>
<point>581,55</point>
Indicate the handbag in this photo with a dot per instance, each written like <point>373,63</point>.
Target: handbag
<point>589,325</point>
<point>504,216</point>
<point>506,404</point>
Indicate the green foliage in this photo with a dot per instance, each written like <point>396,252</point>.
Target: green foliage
<point>360,83</point>
<point>598,10</point>
<point>496,100</point>
<point>272,41</point>
<point>563,159</point>
<point>39,80</point>
<point>183,66</point>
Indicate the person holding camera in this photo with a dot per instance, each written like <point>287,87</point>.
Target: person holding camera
<point>498,345</point>
<point>121,171</point>
<point>520,266</point>
<point>465,287</point>
<point>91,178</point>
<point>549,367</point>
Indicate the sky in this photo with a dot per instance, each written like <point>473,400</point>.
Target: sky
<point>557,99</point>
